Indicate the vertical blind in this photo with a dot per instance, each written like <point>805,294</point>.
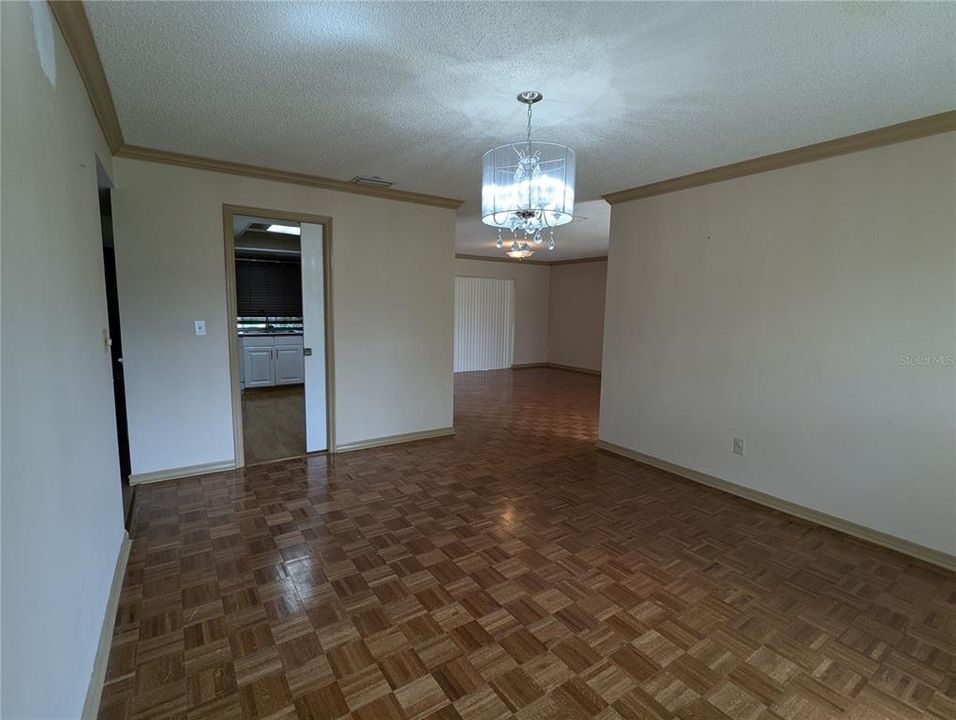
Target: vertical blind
<point>484,323</point>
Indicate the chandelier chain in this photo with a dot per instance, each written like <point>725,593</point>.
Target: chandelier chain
<point>529,128</point>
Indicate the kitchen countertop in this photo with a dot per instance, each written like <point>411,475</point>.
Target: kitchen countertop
<point>263,333</point>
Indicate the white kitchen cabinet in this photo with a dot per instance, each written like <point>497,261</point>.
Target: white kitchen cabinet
<point>289,365</point>
<point>258,365</point>
<point>267,360</point>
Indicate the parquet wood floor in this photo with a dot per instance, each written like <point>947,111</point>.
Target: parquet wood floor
<point>513,571</point>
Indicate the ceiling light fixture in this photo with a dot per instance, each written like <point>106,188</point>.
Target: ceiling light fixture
<point>520,251</point>
<point>284,229</point>
<point>527,187</point>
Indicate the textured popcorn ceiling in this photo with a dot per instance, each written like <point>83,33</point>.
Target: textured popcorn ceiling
<point>416,92</point>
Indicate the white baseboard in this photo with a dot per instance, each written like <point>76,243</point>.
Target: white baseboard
<point>574,368</point>
<point>555,366</point>
<point>395,439</point>
<point>920,552</point>
<point>94,691</point>
<point>181,472</point>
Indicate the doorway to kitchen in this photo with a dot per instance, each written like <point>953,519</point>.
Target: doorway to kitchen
<point>278,285</point>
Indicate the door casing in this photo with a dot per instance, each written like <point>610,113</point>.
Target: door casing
<point>231,310</point>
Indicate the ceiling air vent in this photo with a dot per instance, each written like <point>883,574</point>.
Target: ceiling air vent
<point>371,181</point>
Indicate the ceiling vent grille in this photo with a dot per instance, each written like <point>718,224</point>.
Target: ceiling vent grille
<point>371,181</point>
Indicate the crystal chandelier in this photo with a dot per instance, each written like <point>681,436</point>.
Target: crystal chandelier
<point>528,188</point>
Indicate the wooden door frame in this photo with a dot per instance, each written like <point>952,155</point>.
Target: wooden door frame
<point>229,246</point>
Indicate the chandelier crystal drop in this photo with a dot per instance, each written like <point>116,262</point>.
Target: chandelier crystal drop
<point>527,187</point>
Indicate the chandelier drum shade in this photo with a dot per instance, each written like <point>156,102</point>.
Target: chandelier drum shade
<point>527,187</point>
<point>532,181</point>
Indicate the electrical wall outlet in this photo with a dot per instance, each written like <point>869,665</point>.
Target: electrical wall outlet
<point>200,328</point>
<point>738,446</point>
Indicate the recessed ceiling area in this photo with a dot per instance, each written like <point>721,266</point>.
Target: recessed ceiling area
<point>414,93</point>
<point>258,236</point>
<point>586,236</point>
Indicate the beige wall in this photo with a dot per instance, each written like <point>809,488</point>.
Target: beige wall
<point>62,520</point>
<point>392,304</point>
<point>532,290</point>
<point>576,314</point>
<point>783,308</point>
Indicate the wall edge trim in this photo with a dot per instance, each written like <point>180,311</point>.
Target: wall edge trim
<point>94,691</point>
<point>78,35</point>
<point>573,368</point>
<point>860,532</point>
<point>889,135</point>
<point>196,162</point>
<point>555,366</point>
<point>395,439</point>
<point>578,261</point>
<point>181,472</point>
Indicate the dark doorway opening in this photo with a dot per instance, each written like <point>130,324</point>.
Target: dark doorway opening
<point>116,352</point>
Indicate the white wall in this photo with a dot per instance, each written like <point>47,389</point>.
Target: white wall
<point>776,308</point>
<point>532,288</point>
<point>576,314</point>
<point>392,305</point>
<point>62,521</point>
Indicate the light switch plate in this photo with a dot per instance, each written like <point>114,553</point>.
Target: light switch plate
<point>200,328</point>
